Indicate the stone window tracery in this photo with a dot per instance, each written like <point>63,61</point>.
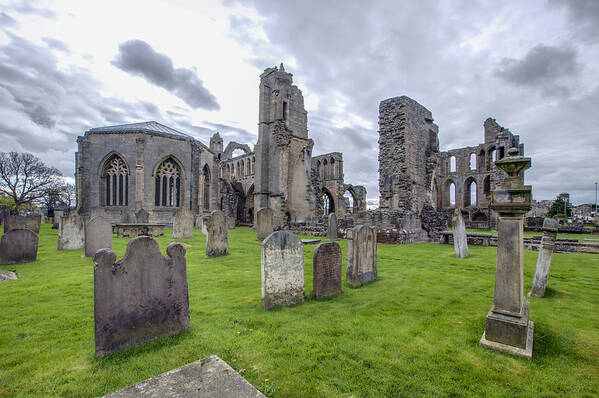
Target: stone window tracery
<point>168,184</point>
<point>115,180</point>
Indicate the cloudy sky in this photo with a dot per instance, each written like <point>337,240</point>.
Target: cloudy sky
<point>66,66</point>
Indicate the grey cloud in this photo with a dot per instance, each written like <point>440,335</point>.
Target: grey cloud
<point>6,20</point>
<point>138,58</point>
<point>583,15</point>
<point>232,133</point>
<point>26,7</point>
<point>541,66</point>
<point>56,44</point>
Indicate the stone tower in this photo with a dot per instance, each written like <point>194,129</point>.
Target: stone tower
<point>283,151</point>
<point>216,143</point>
<point>408,158</point>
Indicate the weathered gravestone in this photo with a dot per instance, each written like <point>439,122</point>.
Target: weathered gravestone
<point>183,224</point>
<point>204,225</point>
<point>327,269</point>
<point>98,235</point>
<point>7,276</point>
<point>71,232</point>
<point>460,239</point>
<point>507,326</point>
<point>209,377</point>
<point>142,216</point>
<point>18,246</point>
<point>13,221</point>
<point>282,268</point>
<point>361,255</point>
<point>217,239</point>
<point>264,219</point>
<point>539,283</point>
<point>332,227</point>
<point>142,296</point>
<point>231,222</point>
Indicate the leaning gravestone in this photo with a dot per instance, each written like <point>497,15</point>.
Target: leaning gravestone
<point>264,219</point>
<point>332,228</point>
<point>217,241</point>
<point>142,216</point>
<point>18,246</point>
<point>539,283</point>
<point>71,232</point>
<point>327,270</point>
<point>142,296</point>
<point>209,377</point>
<point>31,223</point>
<point>98,235</point>
<point>183,224</point>
<point>460,239</point>
<point>361,255</point>
<point>282,269</point>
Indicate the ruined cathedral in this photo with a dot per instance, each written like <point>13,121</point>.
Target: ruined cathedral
<point>122,169</point>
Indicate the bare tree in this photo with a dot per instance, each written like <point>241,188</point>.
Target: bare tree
<point>25,178</point>
<point>67,195</point>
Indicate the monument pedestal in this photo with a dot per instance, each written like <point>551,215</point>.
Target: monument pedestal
<point>511,333</point>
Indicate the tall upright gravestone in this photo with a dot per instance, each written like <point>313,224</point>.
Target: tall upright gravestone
<point>142,296</point>
<point>264,219</point>
<point>282,268</point>
<point>18,246</point>
<point>460,239</point>
<point>13,221</point>
<point>539,283</point>
<point>183,224</point>
<point>327,270</point>
<point>332,227</point>
<point>98,235</point>
<point>508,327</point>
<point>71,232</point>
<point>217,239</point>
<point>361,255</point>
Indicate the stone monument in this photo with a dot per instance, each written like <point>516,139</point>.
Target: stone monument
<point>507,326</point>
<point>31,223</point>
<point>460,239</point>
<point>183,224</point>
<point>71,232</point>
<point>327,270</point>
<point>264,219</point>
<point>142,216</point>
<point>217,239</point>
<point>332,228</point>
<point>142,296</point>
<point>539,283</point>
<point>18,246</point>
<point>282,269</point>
<point>98,235</point>
<point>361,255</point>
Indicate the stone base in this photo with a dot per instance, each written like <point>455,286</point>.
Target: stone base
<point>525,351</point>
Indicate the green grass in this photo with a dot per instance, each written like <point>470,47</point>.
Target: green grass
<point>579,237</point>
<point>413,332</point>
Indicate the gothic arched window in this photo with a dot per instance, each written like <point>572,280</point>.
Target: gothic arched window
<point>168,184</point>
<point>115,181</point>
<point>206,187</point>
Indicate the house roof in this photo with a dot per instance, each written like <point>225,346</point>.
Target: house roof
<point>147,127</point>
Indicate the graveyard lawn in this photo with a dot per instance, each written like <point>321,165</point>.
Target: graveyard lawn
<point>530,234</point>
<point>413,332</point>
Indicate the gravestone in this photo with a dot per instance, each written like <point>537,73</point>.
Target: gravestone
<point>361,255</point>
<point>98,235</point>
<point>209,377</point>
<point>332,228</point>
<point>7,276</point>
<point>142,216</point>
<point>55,225</point>
<point>183,224</point>
<point>204,221</point>
<point>217,239</point>
<point>539,283</point>
<point>130,217</point>
<point>142,296</point>
<point>13,221</point>
<point>231,222</point>
<point>71,232</point>
<point>282,268</point>
<point>507,326</point>
<point>264,219</point>
<point>327,270</point>
<point>18,246</point>
<point>197,221</point>
<point>460,239</point>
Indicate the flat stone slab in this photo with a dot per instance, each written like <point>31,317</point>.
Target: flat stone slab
<point>310,241</point>
<point>591,240</point>
<point>209,377</point>
<point>7,276</point>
